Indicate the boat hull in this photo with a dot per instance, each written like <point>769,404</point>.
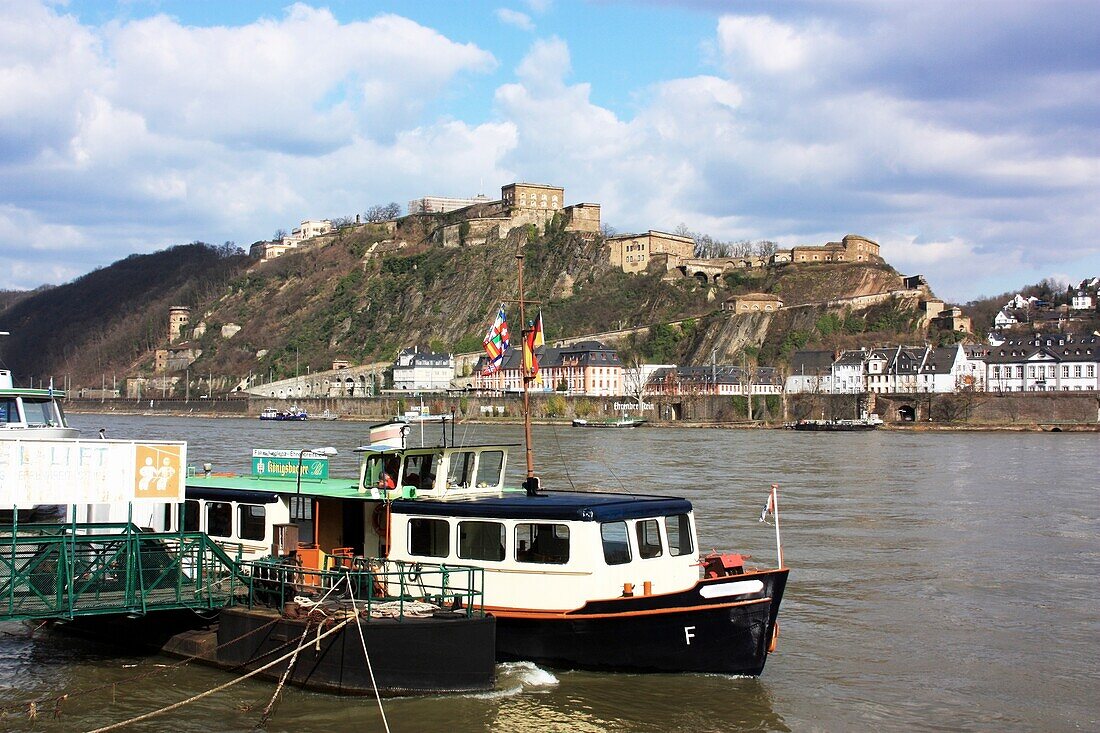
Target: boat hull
<point>581,423</point>
<point>676,632</point>
<point>412,656</point>
<point>834,427</point>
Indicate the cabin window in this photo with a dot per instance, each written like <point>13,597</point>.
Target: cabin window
<point>419,471</point>
<point>219,519</point>
<point>481,541</point>
<point>489,465</point>
<point>190,516</point>
<point>678,531</point>
<point>542,543</point>
<point>649,539</point>
<point>39,412</point>
<point>460,470</point>
<point>372,471</point>
<point>429,537</point>
<point>616,547</point>
<point>8,411</point>
<point>250,521</point>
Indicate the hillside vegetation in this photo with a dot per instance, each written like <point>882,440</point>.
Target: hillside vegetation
<point>102,322</point>
<point>359,295</point>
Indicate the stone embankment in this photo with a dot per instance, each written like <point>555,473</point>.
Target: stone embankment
<point>976,410</point>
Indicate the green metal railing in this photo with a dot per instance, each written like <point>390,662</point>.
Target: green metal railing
<point>397,584</point>
<point>63,571</point>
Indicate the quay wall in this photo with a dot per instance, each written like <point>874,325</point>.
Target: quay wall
<point>949,410</point>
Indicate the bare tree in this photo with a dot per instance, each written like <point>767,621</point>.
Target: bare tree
<point>382,212</point>
<point>766,248</point>
<point>607,230</point>
<point>280,235</point>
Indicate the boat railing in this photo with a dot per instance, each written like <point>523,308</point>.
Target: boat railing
<point>68,570</point>
<point>385,588</point>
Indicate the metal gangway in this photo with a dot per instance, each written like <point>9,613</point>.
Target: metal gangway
<point>70,570</point>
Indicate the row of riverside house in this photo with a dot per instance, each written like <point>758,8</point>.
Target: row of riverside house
<point>591,368</point>
<point>1032,363</point>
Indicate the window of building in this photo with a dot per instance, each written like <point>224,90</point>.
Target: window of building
<point>481,541</point>
<point>429,537</point>
<point>219,519</point>
<point>250,520</point>
<point>616,544</point>
<point>1065,370</point>
<point>649,539</point>
<point>1077,370</point>
<point>542,543</point>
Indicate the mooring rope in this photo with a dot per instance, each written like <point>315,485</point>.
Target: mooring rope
<point>282,681</point>
<point>208,693</point>
<point>370,667</point>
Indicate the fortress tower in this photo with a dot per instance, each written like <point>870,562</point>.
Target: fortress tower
<point>178,317</point>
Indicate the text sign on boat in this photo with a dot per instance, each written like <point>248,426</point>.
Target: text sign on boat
<point>90,471</point>
<point>284,464</point>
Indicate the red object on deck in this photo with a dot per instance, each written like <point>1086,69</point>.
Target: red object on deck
<point>719,565</point>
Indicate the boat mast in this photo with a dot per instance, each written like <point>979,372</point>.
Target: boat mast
<point>532,482</point>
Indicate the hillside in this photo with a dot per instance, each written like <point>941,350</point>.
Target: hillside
<point>359,295</point>
<point>101,322</point>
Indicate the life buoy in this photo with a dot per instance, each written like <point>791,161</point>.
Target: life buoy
<point>380,520</point>
<point>774,641</point>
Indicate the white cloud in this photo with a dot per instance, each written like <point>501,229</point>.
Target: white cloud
<point>767,45</point>
<point>515,18</point>
<point>808,123</point>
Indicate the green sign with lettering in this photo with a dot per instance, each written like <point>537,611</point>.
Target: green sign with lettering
<point>284,464</point>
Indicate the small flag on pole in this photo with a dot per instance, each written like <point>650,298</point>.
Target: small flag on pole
<point>495,342</point>
<point>539,340</point>
<point>769,507</point>
<point>533,341</point>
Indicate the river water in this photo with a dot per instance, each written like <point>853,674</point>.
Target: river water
<point>939,581</point>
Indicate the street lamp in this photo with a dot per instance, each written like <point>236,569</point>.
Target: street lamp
<point>320,452</point>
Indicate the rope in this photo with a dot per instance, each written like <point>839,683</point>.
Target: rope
<point>370,667</point>
<point>208,693</point>
<point>282,681</point>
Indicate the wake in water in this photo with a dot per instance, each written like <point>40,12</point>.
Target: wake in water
<point>516,677</point>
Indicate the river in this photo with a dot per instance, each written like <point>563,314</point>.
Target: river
<point>939,581</point>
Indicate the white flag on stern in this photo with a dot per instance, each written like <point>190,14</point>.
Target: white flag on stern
<point>769,507</point>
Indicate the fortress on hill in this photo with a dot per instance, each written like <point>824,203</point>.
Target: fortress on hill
<point>462,222</point>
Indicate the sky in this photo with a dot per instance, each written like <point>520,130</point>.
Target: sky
<point>962,136</point>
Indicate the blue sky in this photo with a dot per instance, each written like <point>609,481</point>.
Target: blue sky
<point>961,136</point>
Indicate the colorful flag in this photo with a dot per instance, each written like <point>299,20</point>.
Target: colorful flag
<point>537,340</point>
<point>530,361</point>
<point>495,342</point>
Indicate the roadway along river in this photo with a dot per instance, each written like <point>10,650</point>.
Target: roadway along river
<point>939,581</point>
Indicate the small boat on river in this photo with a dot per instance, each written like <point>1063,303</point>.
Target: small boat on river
<point>31,414</point>
<point>619,422</point>
<point>292,414</point>
<point>867,422</point>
